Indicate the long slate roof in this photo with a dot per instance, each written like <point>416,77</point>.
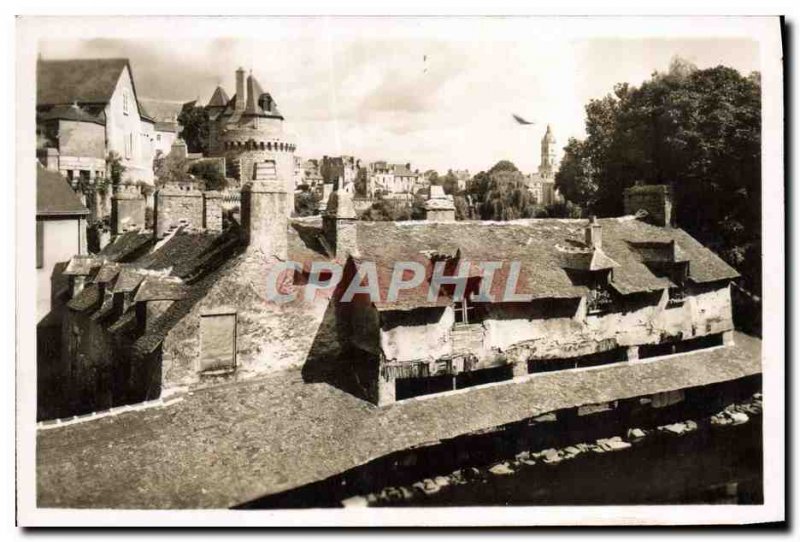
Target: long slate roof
<point>224,446</point>
<point>545,248</point>
<point>55,197</point>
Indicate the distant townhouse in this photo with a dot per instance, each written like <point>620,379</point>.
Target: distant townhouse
<point>462,178</point>
<point>393,179</point>
<point>165,114</point>
<point>307,172</point>
<point>339,170</point>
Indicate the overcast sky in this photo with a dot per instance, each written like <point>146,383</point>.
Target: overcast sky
<point>436,99</point>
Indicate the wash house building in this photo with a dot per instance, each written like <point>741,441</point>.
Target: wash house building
<point>186,305</point>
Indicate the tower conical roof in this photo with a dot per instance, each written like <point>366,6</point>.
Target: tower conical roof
<point>219,98</point>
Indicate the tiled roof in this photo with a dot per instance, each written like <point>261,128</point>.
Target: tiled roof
<point>72,112</point>
<point>162,110</point>
<point>54,195</point>
<point>108,272</point>
<point>219,98</point>
<point>129,279</point>
<point>81,81</point>
<point>82,264</point>
<point>544,248</point>
<point>227,445</point>
<point>87,298</point>
<point>167,127</point>
<point>127,246</point>
<point>161,289</point>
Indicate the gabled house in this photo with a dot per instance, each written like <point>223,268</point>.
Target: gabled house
<point>60,234</point>
<point>87,109</point>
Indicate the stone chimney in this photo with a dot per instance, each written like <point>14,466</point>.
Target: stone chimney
<point>654,199</point>
<point>239,105</point>
<point>127,209</point>
<point>339,224</point>
<point>594,233</point>
<point>176,205</point>
<point>439,207</point>
<point>252,100</point>
<point>212,211</point>
<point>264,211</point>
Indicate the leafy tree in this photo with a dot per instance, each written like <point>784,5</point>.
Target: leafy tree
<point>503,165</point>
<point>209,171</point>
<point>566,209</point>
<point>432,175</point>
<point>464,209</point>
<point>501,194</point>
<point>194,122</point>
<point>696,130</point>
<point>449,182</point>
<point>306,203</point>
<point>115,167</point>
<point>169,168</point>
<point>396,210</point>
<point>574,178</point>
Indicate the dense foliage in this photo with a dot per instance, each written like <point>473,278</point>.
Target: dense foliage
<point>501,194</point>
<point>194,122</point>
<point>696,130</point>
<point>169,168</point>
<point>306,203</point>
<point>209,171</point>
<point>387,209</point>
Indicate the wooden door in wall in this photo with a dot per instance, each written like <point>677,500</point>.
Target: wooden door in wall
<point>218,342</point>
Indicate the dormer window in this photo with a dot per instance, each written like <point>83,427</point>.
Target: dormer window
<point>599,299</point>
<point>678,274</point>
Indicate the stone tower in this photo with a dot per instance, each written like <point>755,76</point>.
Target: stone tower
<point>547,166</point>
<point>264,213</point>
<point>248,131</point>
<point>339,225</point>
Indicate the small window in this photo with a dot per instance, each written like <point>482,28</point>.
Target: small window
<point>39,244</point>
<point>463,310</point>
<point>129,145</point>
<point>158,137</point>
<point>218,342</point>
<point>125,102</point>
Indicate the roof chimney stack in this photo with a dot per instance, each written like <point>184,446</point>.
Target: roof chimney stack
<point>594,233</point>
<point>654,199</point>
<point>439,207</point>
<point>240,97</point>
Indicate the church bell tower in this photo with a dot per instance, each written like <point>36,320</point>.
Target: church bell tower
<point>547,165</point>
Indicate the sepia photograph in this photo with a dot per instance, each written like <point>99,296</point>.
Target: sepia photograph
<point>400,270</point>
